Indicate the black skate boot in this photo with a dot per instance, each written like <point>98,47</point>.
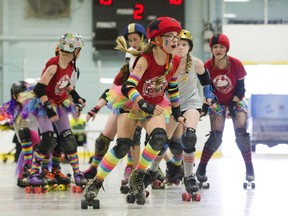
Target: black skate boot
<point>174,173</point>
<point>201,176</point>
<point>64,183</point>
<point>137,188</point>
<point>90,173</point>
<point>250,177</point>
<point>90,193</point>
<point>150,177</point>
<point>51,180</point>
<point>22,182</point>
<point>191,184</point>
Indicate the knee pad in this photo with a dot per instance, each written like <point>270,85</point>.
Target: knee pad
<point>59,148</point>
<point>122,147</point>
<point>137,136</point>
<point>24,135</point>
<point>68,141</point>
<point>102,144</point>
<point>189,140</point>
<point>48,141</point>
<point>242,140</point>
<point>158,139</point>
<point>214,141</point>
<point>175,146</point>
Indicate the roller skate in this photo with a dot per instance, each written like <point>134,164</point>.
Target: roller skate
<point>151,178</point>
<point>90,193</point>
<point>37,184</point>
<point>90,173</point>
<point>191,187</point>
<point>64,183</point>
<point>22,182</point>
<point>160,181</point>
<point>80,182</point>
<point>124,189</point>
<point>26,170</point>
<point>250,177</point>
<point>201,176</point>
<point>51,180</point>
<point>137,189</point>
<point>174,173</point>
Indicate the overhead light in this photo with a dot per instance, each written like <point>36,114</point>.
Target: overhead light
<point>230,15</point>
<point>236,0</point>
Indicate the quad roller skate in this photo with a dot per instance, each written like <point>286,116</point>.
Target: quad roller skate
<point>51,180</point>
<point>90,173</point>
<point>64,182</point>
<point>151,177</point>
<point>22,181</point>
<point>202,177</point>
<point>250,177</point>
<point>124,189</point>
<point>160,181</point>
<point>191,187</point>
<point>137,188</point>
<point>80,182</point>
<point>174,173</point>
<point>37,184</point>
<point>90,193</point>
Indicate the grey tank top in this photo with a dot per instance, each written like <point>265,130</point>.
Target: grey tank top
<point>188,90</point>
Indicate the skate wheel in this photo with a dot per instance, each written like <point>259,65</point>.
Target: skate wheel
<point>124,189</point>
<point>28,189</point>
<point>196,197</point>
<point>61,187</point>
<point>205,185</point>
<point>73,189</point>
<point>130,198</point>
<point>186,197</point>
<point>156,184</point>
<point>79,189</point>
<point>147,194</point>
<point>253,185</point>
<point>96,204</point>
<point>245,185</point>
<point>84,204</point>
<point>37,190</point>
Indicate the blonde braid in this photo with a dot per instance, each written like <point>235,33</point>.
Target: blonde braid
<point>188,63</point>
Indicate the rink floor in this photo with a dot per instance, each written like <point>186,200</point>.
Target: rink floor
<point>226,196</point>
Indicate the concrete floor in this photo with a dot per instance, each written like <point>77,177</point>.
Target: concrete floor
<point>226,196</point>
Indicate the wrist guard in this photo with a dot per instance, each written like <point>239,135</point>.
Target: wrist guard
<point>205,108</point>
<point>93,111</point>
<point>176,112</point>
<point>75,96</point>
<point>146,107</point>
<point>49,110</point>
<point>208,93</point>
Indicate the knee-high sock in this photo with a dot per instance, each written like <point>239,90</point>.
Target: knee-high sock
<point>129,159</point>
<point>74,161</point>
<point>27,152</point>
<point>97,158</point>
<point>148,155</point>
<point>37,161</point>
<point>188,162</point>
<point>107,165</point>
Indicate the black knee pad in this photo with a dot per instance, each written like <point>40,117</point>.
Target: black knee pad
<point>24,135</point>
<point>214,141</point>
<point>137,136</point>
<point>59,148</point>
<point>175,146</point>
<point>189,140</point>
<point>102,144</point>
<point>158,139</point>
<point>242,140</point>
<point>68,141</point>
<point>47,143</point>
<point>122,147</point>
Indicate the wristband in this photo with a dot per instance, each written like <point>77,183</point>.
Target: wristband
<point>176,112</point>
<point>95,110</point>
<point>146,107</point>
<point>49,110</point>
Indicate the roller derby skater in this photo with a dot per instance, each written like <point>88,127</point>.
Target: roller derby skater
<point>231,104</point>
<point>141,104</point>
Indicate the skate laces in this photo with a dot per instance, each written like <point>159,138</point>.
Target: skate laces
<point>48,174</point>
<point>57,172</point>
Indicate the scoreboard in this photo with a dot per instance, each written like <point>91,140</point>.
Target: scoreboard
<point>110,17</point>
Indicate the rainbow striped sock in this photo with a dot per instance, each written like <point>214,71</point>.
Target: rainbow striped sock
<point>148,155</point>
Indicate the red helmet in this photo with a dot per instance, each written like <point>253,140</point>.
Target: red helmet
<point>162,25</point>
<point>220,39</point>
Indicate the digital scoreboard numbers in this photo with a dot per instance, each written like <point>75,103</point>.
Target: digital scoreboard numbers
<point>110,17</point>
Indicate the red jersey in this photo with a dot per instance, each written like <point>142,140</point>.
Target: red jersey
<point>55,90</point>
<point>118,79</point>
<point>225,81</point>
<point>147,85</point>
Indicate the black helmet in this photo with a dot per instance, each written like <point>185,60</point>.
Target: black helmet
<point>17,88</point>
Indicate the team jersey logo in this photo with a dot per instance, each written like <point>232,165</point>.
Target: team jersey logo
<point>61,84</point>
<point>223,84</point>
<point>151,89</point>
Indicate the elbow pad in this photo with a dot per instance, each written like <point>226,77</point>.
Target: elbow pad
<point>240,89</point>
<point>104,95</point>
<point>204,78</point>
<point>39,90</point>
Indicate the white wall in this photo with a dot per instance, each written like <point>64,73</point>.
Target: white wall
<point>266,44</point>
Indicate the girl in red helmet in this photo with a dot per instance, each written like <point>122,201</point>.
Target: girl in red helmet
<point>154,72</point>
<point>227,77</point>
